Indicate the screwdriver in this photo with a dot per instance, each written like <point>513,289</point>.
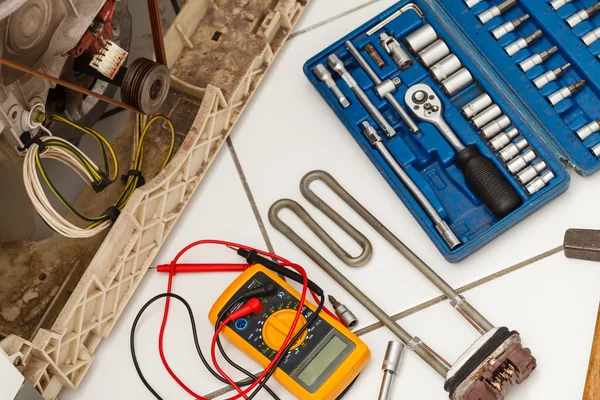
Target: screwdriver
<point>481,175</point>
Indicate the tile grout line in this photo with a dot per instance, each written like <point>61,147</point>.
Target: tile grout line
<point>432,302</point>
<point>463,289</point>
<point>331,19</point>
<point>250,196</point>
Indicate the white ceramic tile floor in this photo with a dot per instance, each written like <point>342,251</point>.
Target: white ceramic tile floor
<point>548,301</point>
<point>321,11</point>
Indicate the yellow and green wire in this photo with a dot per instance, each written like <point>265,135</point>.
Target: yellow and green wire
<point>97,174</point>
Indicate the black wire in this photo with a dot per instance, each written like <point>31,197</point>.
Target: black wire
<point>111,112</point>
<point>227,358</point>
<point>345,392</point>
<point>236,366</point>
<point>194,333</point>
<point>308,323</point>
<point>175,5</point>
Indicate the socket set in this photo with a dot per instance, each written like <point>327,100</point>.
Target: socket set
<point>468,108</point>
<point>555,46</point>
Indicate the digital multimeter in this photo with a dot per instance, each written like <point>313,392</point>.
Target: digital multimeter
<point>321,363</point>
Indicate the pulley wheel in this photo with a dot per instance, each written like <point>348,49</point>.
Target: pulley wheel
<point>146,85</point>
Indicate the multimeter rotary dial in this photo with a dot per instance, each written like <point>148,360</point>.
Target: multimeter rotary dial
<point>277,327</point>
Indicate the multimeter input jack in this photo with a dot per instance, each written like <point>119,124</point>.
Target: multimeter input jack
<point>241,324</point>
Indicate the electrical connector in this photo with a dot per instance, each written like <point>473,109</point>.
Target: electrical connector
<point>109,60</point>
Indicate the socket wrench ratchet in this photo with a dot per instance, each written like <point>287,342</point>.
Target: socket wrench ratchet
<point>485,180</point>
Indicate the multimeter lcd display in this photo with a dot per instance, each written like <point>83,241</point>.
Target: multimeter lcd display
<point>322,361</point>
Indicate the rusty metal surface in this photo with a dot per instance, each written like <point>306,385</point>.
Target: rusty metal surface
<point>583,244</point>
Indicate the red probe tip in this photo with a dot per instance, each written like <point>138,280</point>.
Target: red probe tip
<point>253,306</point>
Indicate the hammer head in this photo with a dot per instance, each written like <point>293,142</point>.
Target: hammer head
<point>583,244</point>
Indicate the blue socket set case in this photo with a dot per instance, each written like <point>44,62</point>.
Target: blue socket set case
<point>470,109</point>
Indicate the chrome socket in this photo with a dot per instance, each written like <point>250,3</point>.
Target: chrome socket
<point>513,150</point>
<point>509,26</point>
<point>448,234</point>
<point>457,82</point>
<point>550,76</point>
<point>522,43</point>
<point>421,38</point>
<point>557,4</point>
<point>536,59</point>
<point>446,68</point>
<point>495,127</point>
<point>393,48</point>
<point>488,115</point>
<point>521,162</point>
<point>503,139</point>
<point>390,367</point>
<point>588,130</point>
<point>596,150</point>
<point>564,93</point>
<point>472,3</point>
<point>346,317</point>
<point>540,182</point>
<point>488,14</point>
<point>592,37</point>
<point>577,18</point>
<point>530,62</point>
<point>516,46</point>
<point>531,172</point>
<point>433,53</point>
<point>476,106</point>
<point>495,11</point>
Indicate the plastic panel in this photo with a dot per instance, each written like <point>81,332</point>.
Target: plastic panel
<point>61,356</point>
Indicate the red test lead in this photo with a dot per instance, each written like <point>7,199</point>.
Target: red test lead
<point>189,268</point>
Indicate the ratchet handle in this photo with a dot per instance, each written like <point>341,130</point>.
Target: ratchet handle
<point>487,182</point>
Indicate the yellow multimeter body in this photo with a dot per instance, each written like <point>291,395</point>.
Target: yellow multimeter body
<point>322,362</point>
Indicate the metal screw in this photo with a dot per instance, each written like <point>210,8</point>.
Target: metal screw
<point>39,117</point>
<point>420,96</point>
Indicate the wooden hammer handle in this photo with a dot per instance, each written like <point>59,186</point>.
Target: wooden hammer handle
<point>592,386</point>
